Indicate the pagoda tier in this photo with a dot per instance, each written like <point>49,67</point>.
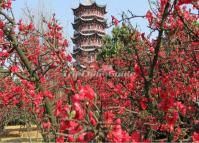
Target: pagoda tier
<point>90,9</point>
<point>88,37</point>
<point>89,25</point>
<point>85,25</point>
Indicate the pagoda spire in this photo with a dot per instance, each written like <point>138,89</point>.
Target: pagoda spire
<point>88,2</point>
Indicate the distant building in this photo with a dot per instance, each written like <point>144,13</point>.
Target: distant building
<point>89,25</point>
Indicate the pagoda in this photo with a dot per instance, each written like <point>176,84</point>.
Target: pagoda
<point>89,25</point>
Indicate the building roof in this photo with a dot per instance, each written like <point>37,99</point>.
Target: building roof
<point>80,19</point>
<point>87,4</point>
<point>79,34</point>
<point>75,51</point>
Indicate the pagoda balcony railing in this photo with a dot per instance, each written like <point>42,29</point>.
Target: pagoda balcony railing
<point>87,31</point>
<point>89,61</point>
<point>87,45</point>
<point>92,30</point>
<point>91,45</point>
<point>89,16</point>
<point>92,14</point>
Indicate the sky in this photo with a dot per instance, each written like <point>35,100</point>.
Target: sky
<point>64,13</point>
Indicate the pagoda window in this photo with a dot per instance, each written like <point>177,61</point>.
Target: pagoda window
<point>91,57</point>
<point>89,41</point>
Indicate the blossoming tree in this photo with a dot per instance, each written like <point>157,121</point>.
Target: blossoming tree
<point>156,101</point>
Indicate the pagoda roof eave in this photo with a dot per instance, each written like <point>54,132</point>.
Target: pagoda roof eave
<point>90,34</point>
<point>94,3</point>
<point>90,19</point>
<point>82,66</point>
<point>74,53</point>
<point>87,50</point>
<point>84,50</point>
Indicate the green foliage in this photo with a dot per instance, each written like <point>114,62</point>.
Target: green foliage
<point>120,40</point>
<point>196,24</point>
<point>2,72</point>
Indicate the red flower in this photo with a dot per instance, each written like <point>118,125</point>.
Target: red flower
<point>81,137</point>
<point>60,139</point>
<point>47,125</point>
<point>115,21</point>
<point>135,137</point>
<point>14,69</point>
<point>38,99</point>
<point>137,69</point>
<point>71,138</point>
<point>87,92</point>
<point>89,136</point>
<point>117,134</point>
<point>151,49</point>
<point>109,118</point>
<point>143,104</point>
<point>58,108</point>
<point>21,25</point>
<point>65,43</point>
<point>186,1</point>
<point>6,5</point>
<point>69,58</point>
<point>1,24</point>
<point>48,94</point>
<point>195,137</point>
<point>92,119</point>
<point>149,16</point>
<point>31,26</point>
<point>181,107</point>
<point>1,33</point>
<point>79,111</point>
